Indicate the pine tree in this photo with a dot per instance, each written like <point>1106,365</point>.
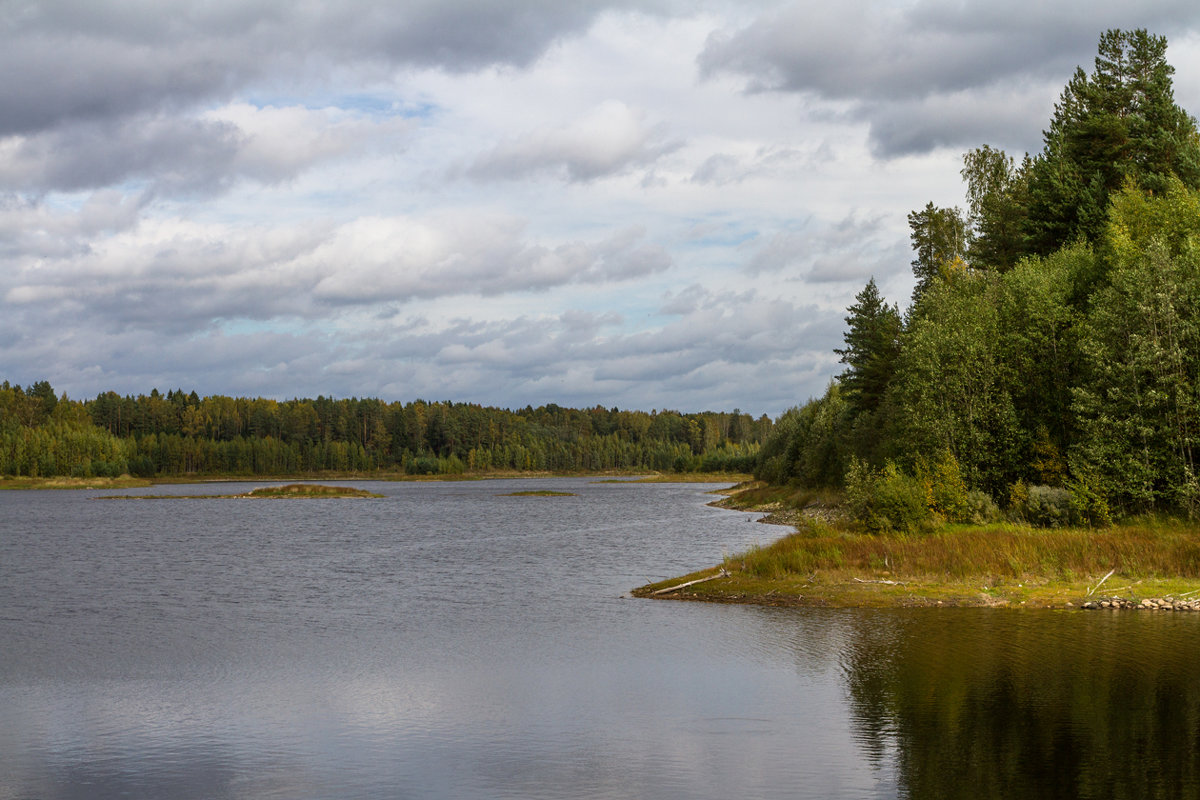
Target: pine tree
<point>1120,123</point>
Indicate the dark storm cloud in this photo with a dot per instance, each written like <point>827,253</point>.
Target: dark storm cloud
<point>894,63</point>
<point>1011,120</point>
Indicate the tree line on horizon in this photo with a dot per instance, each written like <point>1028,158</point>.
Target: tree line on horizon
<point>1051,349</point>
<point>178,434</point>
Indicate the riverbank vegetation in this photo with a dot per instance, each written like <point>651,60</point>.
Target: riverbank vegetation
<point>95,482</point>
<point>181,435</point>
<point>1047,367</point>
<point>834,560</point>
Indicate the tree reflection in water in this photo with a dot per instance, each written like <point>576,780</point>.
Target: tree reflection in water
<point>985,703</point>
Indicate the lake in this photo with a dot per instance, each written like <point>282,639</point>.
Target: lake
<point>447,641</point>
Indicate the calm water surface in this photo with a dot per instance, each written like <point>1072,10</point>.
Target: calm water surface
<point>449,642</point>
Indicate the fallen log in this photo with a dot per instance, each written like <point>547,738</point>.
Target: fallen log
<point>1102,580</point>
<point>676,588</point>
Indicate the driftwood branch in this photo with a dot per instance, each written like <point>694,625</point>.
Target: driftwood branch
<point>882,580</point>
<point>677,587</point>
<point>1102,580</point>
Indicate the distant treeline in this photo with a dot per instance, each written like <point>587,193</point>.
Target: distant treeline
<point>1050,355</point>
<point>43,434</point>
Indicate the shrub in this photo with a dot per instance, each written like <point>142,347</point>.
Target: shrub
<point>422,465</point>
<point>1047,507</point>
<point>110,469</point>
<point>945,490</point>
<point>979,508</point>
<point>886,499</point>
<point>1089,505</point>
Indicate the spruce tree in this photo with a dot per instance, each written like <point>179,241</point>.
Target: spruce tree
<point>872,346</point>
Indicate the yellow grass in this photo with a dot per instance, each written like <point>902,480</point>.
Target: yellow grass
<point>832,563</point>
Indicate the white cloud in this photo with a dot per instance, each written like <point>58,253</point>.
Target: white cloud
<point>611,139</point>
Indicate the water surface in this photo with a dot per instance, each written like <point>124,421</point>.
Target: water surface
<point>450,642</point>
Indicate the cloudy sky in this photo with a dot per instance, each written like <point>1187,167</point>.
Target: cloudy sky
<point>634,203</point>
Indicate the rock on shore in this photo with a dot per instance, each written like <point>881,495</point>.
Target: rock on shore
<point>1148,604</point>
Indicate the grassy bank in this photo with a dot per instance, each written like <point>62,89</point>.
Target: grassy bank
<point>828,562</point>
<point>123,482</point>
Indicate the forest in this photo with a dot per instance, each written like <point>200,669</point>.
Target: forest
<point>43,434</point>
<point>1048,360</point>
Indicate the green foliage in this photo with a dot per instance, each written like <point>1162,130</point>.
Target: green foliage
<point>872,349</point>
<point>997,199</point>
<point>1089,501</point>
<point>940,238</point>
<point>1047,507</point>
<point>1139,405</point>
<point>1118,124</point>
<point>980,509</point>
<point>950,392</point>
<point>947,495</point>
<point>886,499</point>
<point>182,433</point>
<point>807,445</point>
<point>1078,504</point>
<point>1052,347</point>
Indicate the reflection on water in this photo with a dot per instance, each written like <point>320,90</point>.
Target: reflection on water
<point>449,642</point>
<point>1001,704</point>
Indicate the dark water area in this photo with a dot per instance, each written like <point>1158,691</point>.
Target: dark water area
<point>446,641</point>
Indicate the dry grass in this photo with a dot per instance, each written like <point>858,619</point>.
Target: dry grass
<point>999,564</point>
<point>1003,550</point>
<point>123,482</point>
<point>693,477</point>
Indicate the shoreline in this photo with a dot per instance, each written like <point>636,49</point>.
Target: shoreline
<point>825,562</point>
<point>130,482</point>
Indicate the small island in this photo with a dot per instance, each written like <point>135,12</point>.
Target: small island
<point>291,490</point>
<point>538,493</point>
<point>308,490</point>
